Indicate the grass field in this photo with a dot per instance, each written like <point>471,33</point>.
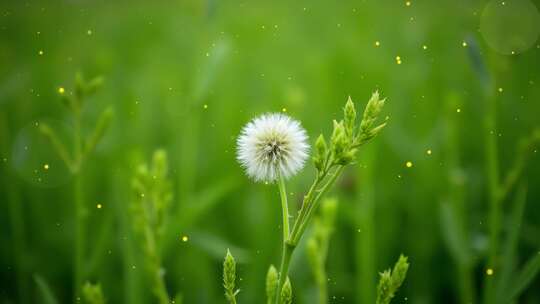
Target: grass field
<point>109,107</point>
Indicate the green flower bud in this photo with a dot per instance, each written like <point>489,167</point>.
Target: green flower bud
<point>400,272</point>
<point>271,284</point>
<point>320,153</point>
<point>390,282</point>
<point>92,293</point>
<point>384,289</point>
<point>229,275</point>
<point>371,112</point>
<point>286,292</point>
<point>349,117</point>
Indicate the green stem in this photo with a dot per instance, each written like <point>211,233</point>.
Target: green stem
<point>492,171</point>
<point>286,256</point>
<point>305,204</point>
<point>466,291</point>
<point>298,230</point>
<point>284,207</point>
<point>159,290</point>
<point>79,236</point>
<point>80,211</point>
<point>323,288</point>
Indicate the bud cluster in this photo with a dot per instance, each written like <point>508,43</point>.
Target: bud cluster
<point>347,137</point>
<point>390,281</point>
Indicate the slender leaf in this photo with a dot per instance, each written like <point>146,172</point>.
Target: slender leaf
<point>47,295</point>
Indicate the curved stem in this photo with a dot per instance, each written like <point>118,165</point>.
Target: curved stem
<point>299,229</point>
<point>305,205</point>
<point>284,207</point>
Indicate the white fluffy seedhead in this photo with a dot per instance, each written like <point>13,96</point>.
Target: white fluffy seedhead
<point>272,145</point>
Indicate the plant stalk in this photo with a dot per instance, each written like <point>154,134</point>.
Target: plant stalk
<point>288,250</point>
<point>284,207</point>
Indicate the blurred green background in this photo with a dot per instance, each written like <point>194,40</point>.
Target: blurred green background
<point>185,76</point>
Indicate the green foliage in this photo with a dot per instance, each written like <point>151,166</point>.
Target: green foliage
<point>318,243</point>
<point>347,137</point>
<point>229,278</point>
<point>46,294</point>
<point>92,294</point>
<point>151,200</point>
<point>193,74</point>
<point>84,146</point>
<point>390,281</point>
<point>329,163</point>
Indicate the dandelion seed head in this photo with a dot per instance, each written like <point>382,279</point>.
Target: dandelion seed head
<point>272,145</point>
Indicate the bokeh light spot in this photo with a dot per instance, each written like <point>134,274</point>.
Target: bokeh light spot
<point>510,27</point>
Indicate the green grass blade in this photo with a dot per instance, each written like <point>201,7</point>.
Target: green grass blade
<point>45,291</point>
<point>508,261</point>
<point>525,277</point>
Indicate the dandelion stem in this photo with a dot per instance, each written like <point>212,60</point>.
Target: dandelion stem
<point>284,207</point>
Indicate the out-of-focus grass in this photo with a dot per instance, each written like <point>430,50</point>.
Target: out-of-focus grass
<point>186,76</point>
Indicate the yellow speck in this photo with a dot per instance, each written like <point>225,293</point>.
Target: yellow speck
<point>377,43</point>
<point>207,54</point>
<point>458,110</point>
<point>40,52</point>
<point>489,271</point>
<point>89,32</point>
<point>398,60</point>
<point>428,152</point>
<point>408,164</point>
<point>424,47</point>
<point>408,3</point>
<point>284,110</point>
<point>99,206</point>
<point>500,90</point>
<point>185,238</point>
<point>46,166</point>
<point>513,53</point>
<point>205,106</point>
<point>61,90</point>
<point>464,44</point>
